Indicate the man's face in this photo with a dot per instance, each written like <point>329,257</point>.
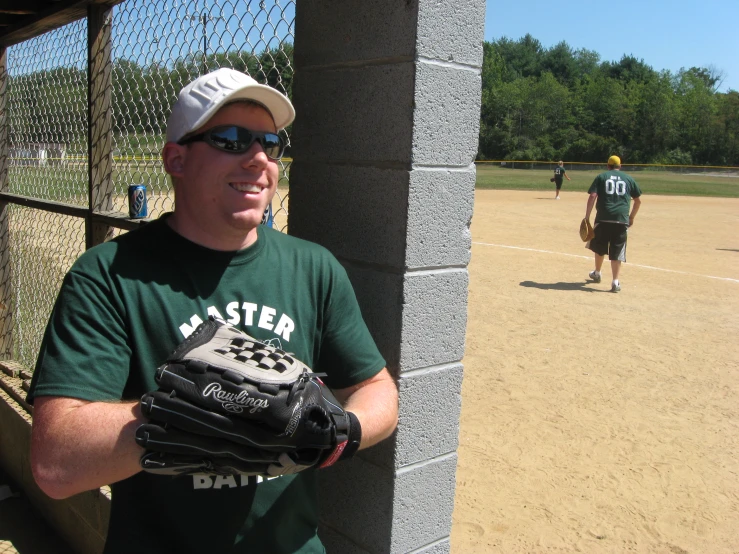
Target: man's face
<point>219,196</point>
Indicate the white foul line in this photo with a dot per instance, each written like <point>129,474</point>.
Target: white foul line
<point>590,257</point>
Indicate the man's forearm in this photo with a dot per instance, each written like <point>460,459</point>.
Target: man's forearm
<point>591,202</point>
<point>375,404</point>
<point>78,446</point>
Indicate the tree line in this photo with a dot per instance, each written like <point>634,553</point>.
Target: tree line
<point>537,104</point>
<point>558,103</point>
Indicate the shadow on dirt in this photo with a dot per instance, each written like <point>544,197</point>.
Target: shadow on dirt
<point>561,286</point>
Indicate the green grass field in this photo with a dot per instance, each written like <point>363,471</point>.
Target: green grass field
<point>490,176</point>
<point>60,183</point>
<point>64,184</point>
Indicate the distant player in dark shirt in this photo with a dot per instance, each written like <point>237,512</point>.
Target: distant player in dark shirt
<point>559,174</point>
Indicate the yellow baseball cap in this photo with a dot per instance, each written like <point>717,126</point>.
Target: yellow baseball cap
<point>614,160</point>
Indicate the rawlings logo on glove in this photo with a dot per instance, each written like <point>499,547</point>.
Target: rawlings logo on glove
<point>235,403</point>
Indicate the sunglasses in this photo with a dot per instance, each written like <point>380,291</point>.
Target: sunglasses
<point>237,140</point>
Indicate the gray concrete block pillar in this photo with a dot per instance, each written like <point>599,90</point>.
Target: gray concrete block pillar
<point>387,95</point>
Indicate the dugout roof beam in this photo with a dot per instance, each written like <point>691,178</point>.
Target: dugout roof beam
<point>25,19</point>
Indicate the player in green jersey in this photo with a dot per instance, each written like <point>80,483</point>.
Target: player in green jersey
<point>126,304</point>
<point>611,194</point>
<point>559,174</point>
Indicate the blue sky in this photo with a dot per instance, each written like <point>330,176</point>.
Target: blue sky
<point>665,34</point>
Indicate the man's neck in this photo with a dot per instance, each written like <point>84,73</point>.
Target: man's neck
<point>214,241</point>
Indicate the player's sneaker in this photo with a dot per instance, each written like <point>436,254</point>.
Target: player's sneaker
<point>594,276</point>
<point>556,198</point>
<point>615,287</point>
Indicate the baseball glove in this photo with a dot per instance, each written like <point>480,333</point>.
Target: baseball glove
<point>230,404</point>
<point>551,180</point>
<point>586,230</point>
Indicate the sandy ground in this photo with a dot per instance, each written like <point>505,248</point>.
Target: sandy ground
<point>598,422</point>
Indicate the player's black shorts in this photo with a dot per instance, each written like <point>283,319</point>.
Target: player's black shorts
<point>610,238</point>
<point>558,183</point>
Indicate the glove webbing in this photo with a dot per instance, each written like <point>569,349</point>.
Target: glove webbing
<point>243,351</point>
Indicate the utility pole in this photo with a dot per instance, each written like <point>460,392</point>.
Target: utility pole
<point>203,18</point>
<point>205,42</point>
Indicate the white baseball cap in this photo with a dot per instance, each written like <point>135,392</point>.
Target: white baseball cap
<point>202,98</point>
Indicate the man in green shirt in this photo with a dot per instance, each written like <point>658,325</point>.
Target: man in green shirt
<point>611,194</point>
<point>126,304</point>
<point>559,175</point>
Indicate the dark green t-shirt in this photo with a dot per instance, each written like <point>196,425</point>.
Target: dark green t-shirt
<point>559,174</point>
<point>615,190</point>
<point>122,309</point>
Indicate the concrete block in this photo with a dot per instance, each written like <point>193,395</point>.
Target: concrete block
<point>383,454</point>
<point>451,31</point>
<point>359,213</point>
<point>440,205</point>
<point>337,543</point>
<point>430,406</point>
<point>447,115</point>
<point>351,115</point>
<point>434,318</point>
<point>417,319</point>
<point>388,217</point>
<point>380,297</point>
<point>419,514</point>
<point>328,33</point>
<point>428,420</point>
<point>356,487</point>
<point>439,547</point>
<point>423,504</point>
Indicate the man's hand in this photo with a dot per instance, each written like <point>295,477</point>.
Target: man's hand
<point>631,221</point>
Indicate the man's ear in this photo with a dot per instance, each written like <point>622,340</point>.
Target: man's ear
<point>173,157</point>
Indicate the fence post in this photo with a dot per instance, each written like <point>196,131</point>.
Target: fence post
<point>99,146</point>
<point>387,96</point>
<point>6,298</point>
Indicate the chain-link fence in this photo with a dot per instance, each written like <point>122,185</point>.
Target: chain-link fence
<point>156,48</point>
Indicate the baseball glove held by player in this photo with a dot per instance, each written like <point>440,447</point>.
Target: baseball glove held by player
<point>229,404</point>
<point>586,230</point>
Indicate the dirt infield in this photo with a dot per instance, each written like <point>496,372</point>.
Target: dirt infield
<point>597,422</point>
